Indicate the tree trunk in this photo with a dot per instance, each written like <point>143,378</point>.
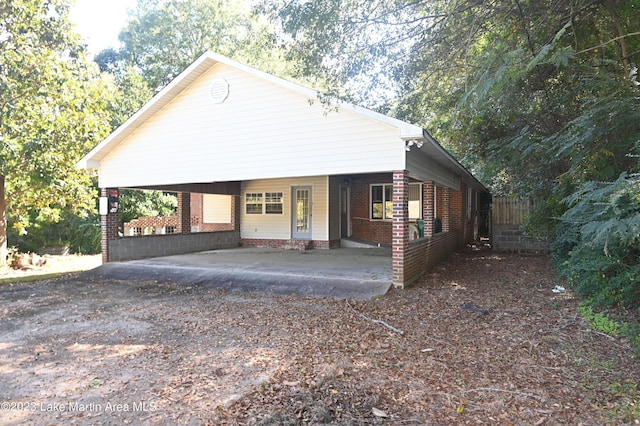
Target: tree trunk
<point>3,224</point>
<point>612,6</point>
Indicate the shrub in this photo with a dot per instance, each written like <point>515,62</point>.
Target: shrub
<point>603,262</point>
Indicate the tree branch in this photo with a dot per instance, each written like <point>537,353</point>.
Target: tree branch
<point>613,40</point>
<point>390,327</point>
<point>529,395</point>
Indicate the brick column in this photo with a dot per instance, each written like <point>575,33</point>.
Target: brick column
<point>235,212</point>
<point>184,213</point>
<point>108,227</point>
<point>400,228</point>
<point>427,208</point>
<point>457,218</point>
<point>446,211</point>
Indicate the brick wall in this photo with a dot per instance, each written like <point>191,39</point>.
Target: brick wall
<point>423,254</point>
<point>151,222</point>
<point>196,219</point>
<point>400,233</point>
<point>362,227</point>
<point>446,212</point>
<point>458,213</point>
<point>290,244</point>
<point>427,207</point>
<point>197,215</point>
<point>184,213</point>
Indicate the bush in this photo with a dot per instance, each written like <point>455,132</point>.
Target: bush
<point>81,234</point>
<point>598,251</point>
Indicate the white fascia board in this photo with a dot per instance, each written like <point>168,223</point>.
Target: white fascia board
<point>406,131</point>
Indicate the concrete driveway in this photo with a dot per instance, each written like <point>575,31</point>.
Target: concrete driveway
<point>339,273</point>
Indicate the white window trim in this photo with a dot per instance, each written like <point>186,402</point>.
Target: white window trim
<point>420,200</point>
<point>383,218</point>
<point>383,185</point>
<point>263,197</point>
<point>281,203</point>
<point>246,204</point>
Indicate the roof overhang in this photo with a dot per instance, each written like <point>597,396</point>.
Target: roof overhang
<point>445,159</point>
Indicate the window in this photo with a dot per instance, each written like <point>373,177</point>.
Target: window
<point>269,203</point>
<point>273,203</point>
<point>169,229</point>
<point>415,201</point>
<point>253,201</point>
<point>377,202</point>
<point>216,208</point>
<point>382,201</point>
<point>136,231</point>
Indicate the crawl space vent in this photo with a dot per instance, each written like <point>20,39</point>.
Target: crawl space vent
<point>219,90</point>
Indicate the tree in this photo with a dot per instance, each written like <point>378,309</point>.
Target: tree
<point>538,98</point>
<point>52,109</point>
<point>134,204</point>
<point>502,84</point>
<point>163,37</point>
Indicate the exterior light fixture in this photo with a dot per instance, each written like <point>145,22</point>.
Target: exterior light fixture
<point>413,142</point>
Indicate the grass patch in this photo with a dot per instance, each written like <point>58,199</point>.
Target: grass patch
<point>624,403</point>
<point>55,267</point>
<point>598,321</point>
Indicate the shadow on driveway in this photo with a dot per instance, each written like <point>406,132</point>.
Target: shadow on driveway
<point>340,273</point>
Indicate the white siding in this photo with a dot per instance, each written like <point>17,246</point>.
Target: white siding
<point>262,130</point>
<point>216,208</point>
<point>278,227</point>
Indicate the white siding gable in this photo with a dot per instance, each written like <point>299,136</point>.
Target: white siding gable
<point>262,130</point>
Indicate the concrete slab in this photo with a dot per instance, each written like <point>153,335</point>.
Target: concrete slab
<point>339,273</point>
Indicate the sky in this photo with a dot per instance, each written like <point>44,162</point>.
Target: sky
<point>100,21</point>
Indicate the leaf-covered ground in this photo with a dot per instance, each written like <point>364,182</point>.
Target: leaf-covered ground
<point>199,356</point>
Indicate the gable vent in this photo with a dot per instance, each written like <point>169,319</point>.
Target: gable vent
<point>219,90</point>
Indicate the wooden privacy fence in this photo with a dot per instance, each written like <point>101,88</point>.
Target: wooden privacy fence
<point>510,210</point>
<point>508,218</point>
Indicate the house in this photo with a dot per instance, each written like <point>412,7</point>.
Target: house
<point>294,171</point>
<point>209,213</point>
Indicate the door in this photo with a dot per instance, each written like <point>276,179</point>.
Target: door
<point>301,213</point>
<point>344,212</point>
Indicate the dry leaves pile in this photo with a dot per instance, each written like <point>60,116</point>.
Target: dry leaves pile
<point>203,356</point>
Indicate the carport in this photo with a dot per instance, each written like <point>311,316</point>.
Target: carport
<point>341,272</point>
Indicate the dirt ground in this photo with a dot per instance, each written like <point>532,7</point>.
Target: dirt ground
<point>79,351</point>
